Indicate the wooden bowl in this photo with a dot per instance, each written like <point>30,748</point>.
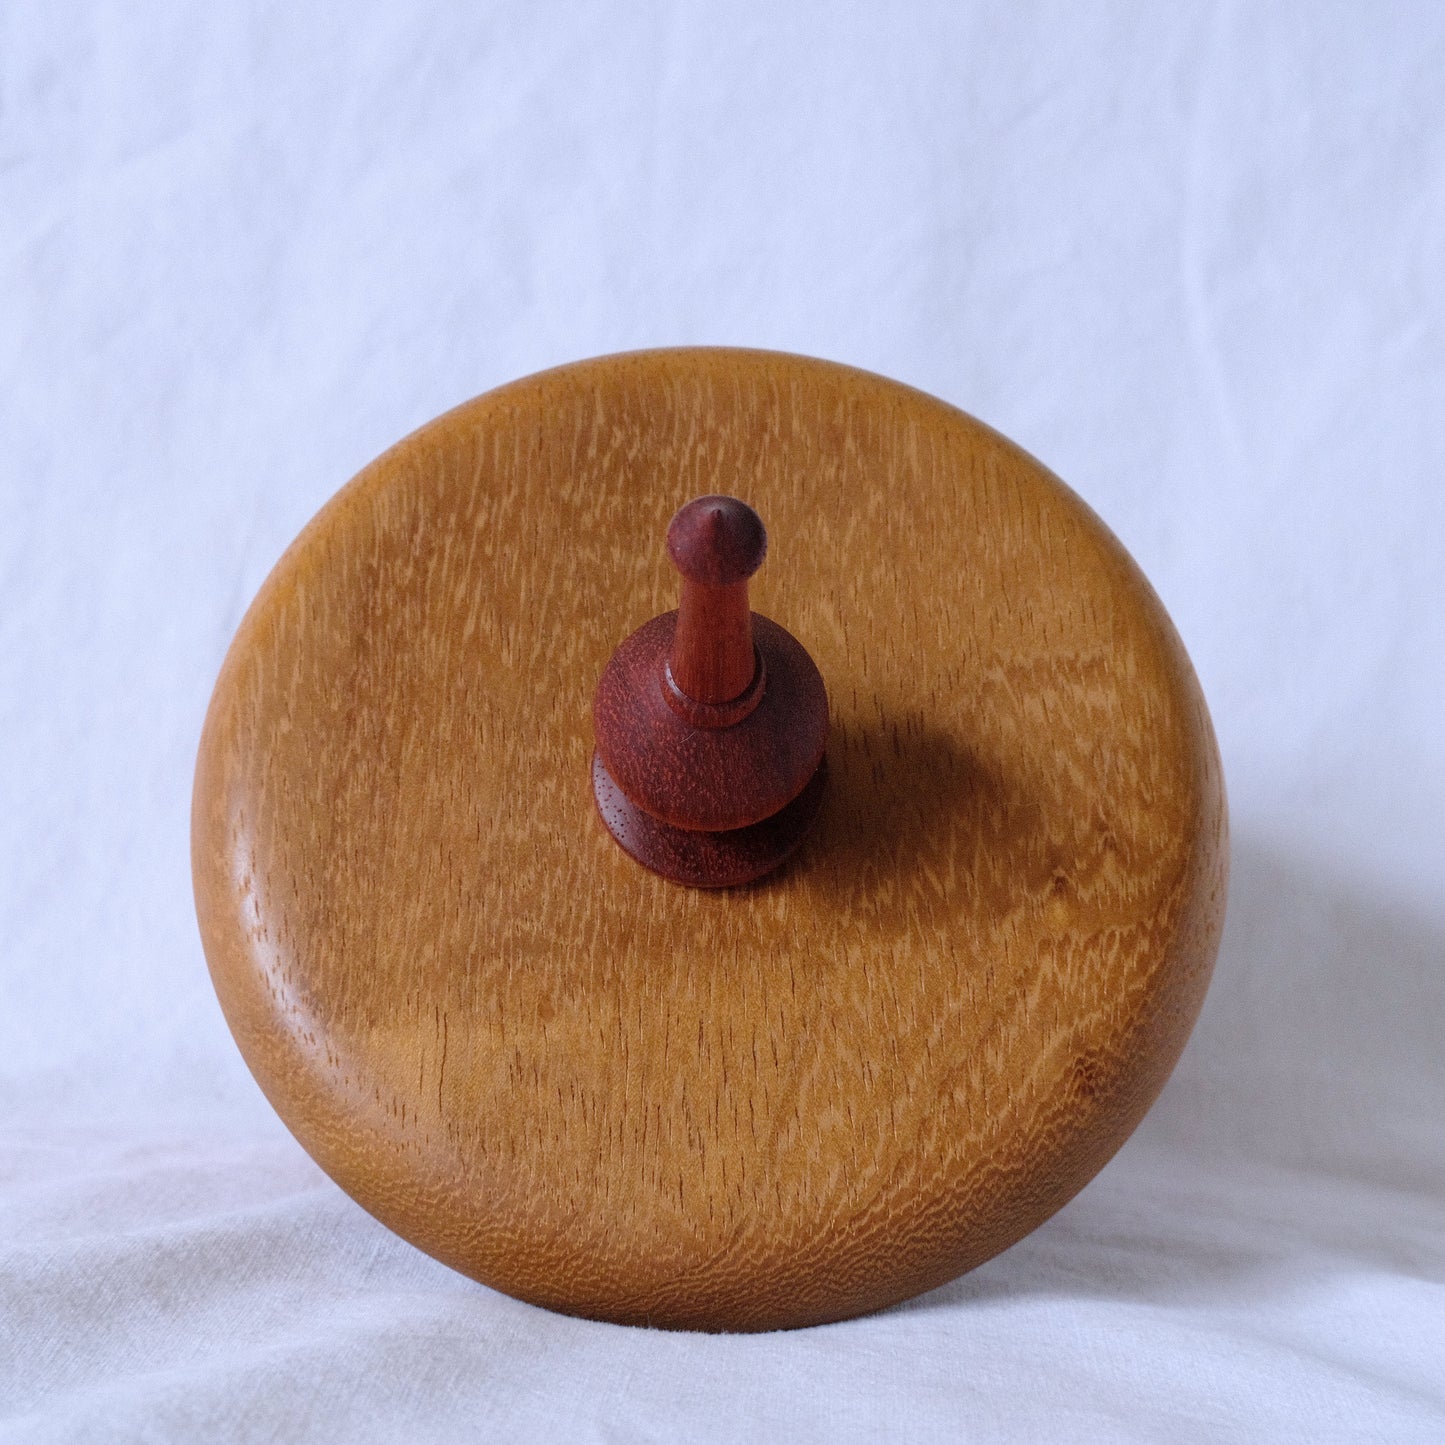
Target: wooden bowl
<point>739,1109</point>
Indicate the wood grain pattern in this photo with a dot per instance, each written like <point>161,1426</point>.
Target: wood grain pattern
<point>758,1108</point>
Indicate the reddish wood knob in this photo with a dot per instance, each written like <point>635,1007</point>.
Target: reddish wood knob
<point>717,543</point>
<point>711,721</point>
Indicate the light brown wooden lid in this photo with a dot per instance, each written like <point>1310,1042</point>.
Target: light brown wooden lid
<point>615,1096</point>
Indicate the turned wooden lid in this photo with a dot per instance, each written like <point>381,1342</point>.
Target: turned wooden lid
<point>746,1108</point>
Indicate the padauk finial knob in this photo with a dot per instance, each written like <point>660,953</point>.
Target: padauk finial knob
<point>717,543</point>
<point>711,721</point>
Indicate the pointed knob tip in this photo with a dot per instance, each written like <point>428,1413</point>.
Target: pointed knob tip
<point>717,540</point>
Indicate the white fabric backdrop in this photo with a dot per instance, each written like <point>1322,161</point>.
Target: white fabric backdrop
<point>1192,256</point>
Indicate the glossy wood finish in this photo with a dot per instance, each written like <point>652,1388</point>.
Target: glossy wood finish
<point>749,1109</point>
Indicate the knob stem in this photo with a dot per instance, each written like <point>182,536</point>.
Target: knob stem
<point>717,543</point>
<point>712,657</point>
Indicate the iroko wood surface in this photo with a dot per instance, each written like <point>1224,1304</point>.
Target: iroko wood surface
<point>742,1109</point>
